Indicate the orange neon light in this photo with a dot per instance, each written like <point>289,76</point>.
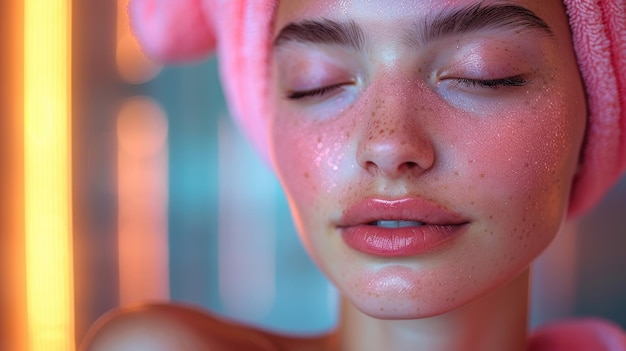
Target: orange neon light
<point>47,164</point>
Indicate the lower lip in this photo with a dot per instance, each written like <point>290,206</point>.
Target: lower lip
<point>399,242</point>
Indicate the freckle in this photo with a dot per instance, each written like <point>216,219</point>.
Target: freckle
<point>482,175</point>
<point>490,217</point>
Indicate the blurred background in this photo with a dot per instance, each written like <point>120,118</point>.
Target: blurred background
<point>125,182</point>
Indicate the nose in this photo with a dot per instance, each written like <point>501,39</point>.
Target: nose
<point>395,144</point>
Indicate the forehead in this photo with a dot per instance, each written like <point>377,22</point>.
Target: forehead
<point>381,11</point>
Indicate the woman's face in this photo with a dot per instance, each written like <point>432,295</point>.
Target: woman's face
<point>427,147</point>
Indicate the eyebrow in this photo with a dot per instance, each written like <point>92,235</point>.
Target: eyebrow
<point>476,18</point>
<point>323,31</point>
<point>470,19</point>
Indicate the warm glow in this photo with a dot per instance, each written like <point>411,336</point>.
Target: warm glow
<point>47,162</point>
<point>142,201</point>
<point>132,64</point>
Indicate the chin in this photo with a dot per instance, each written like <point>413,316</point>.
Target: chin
<point>399,292</point>
<point>397,309</point>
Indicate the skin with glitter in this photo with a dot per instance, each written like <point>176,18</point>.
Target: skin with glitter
<point>397,117</point>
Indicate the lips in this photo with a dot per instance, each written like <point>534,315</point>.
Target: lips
<point>403,227</point>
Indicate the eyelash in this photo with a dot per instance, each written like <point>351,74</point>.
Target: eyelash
<point>516,81</point>
<point>295,95</point>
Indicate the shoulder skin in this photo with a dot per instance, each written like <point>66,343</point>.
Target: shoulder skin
<point>166,327</point>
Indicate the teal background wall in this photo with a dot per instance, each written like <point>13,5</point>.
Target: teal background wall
<point>210,161</point>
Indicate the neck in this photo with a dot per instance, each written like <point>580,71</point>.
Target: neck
<point>496,321</point>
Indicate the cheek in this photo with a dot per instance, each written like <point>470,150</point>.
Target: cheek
<point>521,172</point>
<point>311,162</point>
<point>310,158</point>
<point>529,148</point>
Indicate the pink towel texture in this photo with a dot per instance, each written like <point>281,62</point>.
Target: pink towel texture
<point>240,32</point>
<point>588,334</point>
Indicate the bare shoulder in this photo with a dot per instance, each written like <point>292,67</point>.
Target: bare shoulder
<point>165,327</point>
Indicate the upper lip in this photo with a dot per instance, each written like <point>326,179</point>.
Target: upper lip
<point>405,209</point>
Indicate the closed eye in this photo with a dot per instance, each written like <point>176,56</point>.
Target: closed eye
<point>301,94</point>
<point>515,81</point>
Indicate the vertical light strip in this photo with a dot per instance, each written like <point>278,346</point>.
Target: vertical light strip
<point>142,178</point>
<point>142,201</point>
<point>13,326</point>
<point>247,229</point>
<point>47,167</point>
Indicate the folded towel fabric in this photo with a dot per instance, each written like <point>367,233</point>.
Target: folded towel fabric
<point>586,334</point>
<point>240,32</point>
<point>599,35</point>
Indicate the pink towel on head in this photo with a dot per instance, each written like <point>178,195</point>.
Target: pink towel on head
<point>241,30</point>
<point>599,34</point>
<point>175,31</point>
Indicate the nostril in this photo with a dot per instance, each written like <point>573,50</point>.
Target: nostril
<point>395,156</point>
<point>411,165</point>
<point>370,165</point>
<point>389,169</point>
